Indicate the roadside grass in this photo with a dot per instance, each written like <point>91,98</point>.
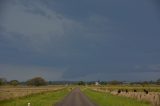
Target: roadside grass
<point>106,99</point>
<point>43,99</point>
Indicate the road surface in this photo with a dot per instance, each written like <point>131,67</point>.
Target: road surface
<point>76,98</point>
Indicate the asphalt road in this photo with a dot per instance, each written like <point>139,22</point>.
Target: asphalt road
<point>76,98</point>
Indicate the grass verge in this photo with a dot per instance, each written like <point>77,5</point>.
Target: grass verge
<point>106,99</point>
<point>43,99</point>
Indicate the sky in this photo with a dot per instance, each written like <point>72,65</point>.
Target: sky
<point>80,39</point>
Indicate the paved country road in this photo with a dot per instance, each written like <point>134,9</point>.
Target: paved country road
<point>76,98</point>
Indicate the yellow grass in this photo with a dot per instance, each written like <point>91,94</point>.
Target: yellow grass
<point>153,96</point>
<point>10,92</point>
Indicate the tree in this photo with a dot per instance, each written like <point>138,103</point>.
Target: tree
<point>3,81</point>
<point>103,83</point>
<point>14,82</point>
<point>37,81</point>
<point>81,83</point>
<point>144,83</point>
<point>158,81</point>
<point>114,82</point>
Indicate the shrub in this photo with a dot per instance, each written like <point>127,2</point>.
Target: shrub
<point>14,82</point>
<point>3,81</point>
<point>81,83</point>
<point>37,81</point>
<point>158,81</point>
<point>114,82</point>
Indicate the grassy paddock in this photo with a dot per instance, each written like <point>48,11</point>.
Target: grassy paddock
<point>150,88</point>
<point>106,99</point>
<point>43,99</point>
<point>11,92</point>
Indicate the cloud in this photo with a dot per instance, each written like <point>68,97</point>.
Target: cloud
<point>155,67</point>
<point>85,39</point>
<point>122,76</point>
<point>38,27</point>
<point>35,19</point>
<point>23,72</point>
<point>35,24</point>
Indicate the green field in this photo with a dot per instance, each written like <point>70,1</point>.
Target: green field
<point>105,99</point>
<point>43,99</point>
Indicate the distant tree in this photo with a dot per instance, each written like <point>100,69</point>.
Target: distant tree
<point>3,81</point>
<point>14,82</point>
<point>50,82</point>
<point>91,83</point>
<point>158,81</point>
<point>103,83</point>
<point>37,81</point>
<point>114,82</point>
<point>81,83</point>
<point>144,83</point>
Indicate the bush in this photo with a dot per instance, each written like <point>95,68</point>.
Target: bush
<point>81,83</point>
<point>14,82</point>
<point>114,82</point>
<point>158,81</point>
<point>3,81</point>
<point>37,81</point>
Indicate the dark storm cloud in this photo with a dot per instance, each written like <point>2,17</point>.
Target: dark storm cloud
<point>87,39</point>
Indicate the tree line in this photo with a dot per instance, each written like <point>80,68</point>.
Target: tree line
<point>36,81</point>
<point>39,81</point>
